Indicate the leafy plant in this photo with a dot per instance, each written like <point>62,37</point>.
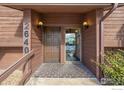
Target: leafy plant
<point>113,67</point>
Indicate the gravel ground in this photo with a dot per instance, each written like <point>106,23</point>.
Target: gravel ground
<point>13,79</point>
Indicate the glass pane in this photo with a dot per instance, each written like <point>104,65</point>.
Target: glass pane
<point>72,40</point>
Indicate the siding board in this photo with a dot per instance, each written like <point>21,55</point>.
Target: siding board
<point>89,42</point>
<point>13,54</point>
<point>36,41</point>
<point>10,27</point>
<point>114,29</point>
<point>10,36</point>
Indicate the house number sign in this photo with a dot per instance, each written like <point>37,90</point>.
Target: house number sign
<point>26,29</point>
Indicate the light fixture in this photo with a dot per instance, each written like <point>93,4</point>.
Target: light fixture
<point>76,31</point>
<point>40,24</point>
<point>85,25</point>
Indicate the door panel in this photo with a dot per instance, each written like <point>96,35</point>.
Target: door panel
<point>52,44</point>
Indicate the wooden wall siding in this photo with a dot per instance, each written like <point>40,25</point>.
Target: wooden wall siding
<point>10,27</point>
<point>114,29</point>
<point>36,41</point>
<point>61,19</point>
<point>10,36</point>
<point>89,42</point>
<point>8,56</point>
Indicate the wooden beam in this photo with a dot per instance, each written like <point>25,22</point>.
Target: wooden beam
<point>25,78</point>
<point>109,12</point>
<point>15,66</point>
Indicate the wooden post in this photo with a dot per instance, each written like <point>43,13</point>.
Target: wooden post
<point>101,48</point>
<point>62,55</point>
<point>101,38</point>
<point>26,31</point>
<point>99,44</point>
<point>27,39</point>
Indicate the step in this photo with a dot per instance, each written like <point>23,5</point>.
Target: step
<point>62,81</point>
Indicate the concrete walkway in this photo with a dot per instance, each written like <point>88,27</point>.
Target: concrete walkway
<point>62,81</point>
<point>62,74</point>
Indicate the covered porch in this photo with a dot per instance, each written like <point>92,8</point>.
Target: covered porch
<point>44,33</point>
<point>47,28</point>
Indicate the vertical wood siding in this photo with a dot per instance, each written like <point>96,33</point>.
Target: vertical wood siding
<point>36,41</point>
<point>114,29</point>
<point>89,42</point>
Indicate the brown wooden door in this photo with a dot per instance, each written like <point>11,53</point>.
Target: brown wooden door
<point>52,44</point>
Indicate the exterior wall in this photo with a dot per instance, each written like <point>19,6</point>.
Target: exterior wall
<point>10,36</point>
<point>9,56</point>
<point>89,42</point>
<point>36,40</point>
<point>61,19</point>
<point>10,27</point>
<point>114,29</point>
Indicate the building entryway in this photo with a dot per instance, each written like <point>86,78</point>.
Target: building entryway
<point>52,44</point>
<point>51,70</point>
<point>56,73</point>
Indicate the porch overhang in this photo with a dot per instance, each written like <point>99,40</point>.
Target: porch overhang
<point>59,8</point>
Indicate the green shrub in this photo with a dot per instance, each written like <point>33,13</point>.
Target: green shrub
<point>113,67</point>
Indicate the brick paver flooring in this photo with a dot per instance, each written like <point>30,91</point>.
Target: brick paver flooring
<point>56,70</point>
<point>62,74</point>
